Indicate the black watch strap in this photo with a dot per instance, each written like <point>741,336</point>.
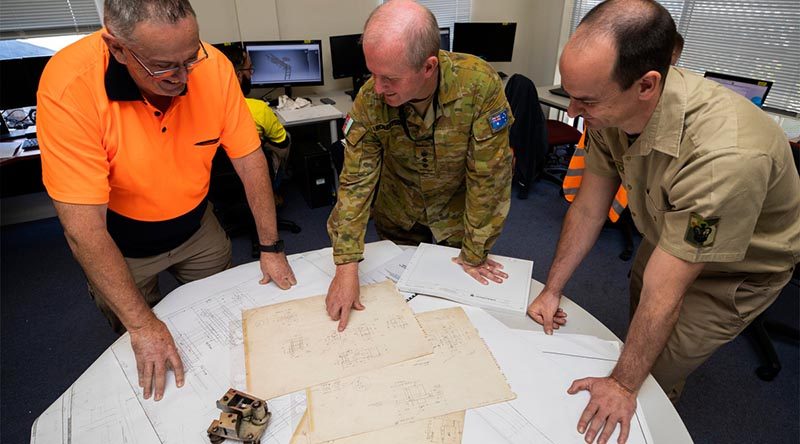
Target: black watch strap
<point>277,247</point>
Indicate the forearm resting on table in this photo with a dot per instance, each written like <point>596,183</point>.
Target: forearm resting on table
<point>666,279</point>
<point>103,263</point>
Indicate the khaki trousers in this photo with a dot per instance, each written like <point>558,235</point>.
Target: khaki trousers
<point>715,309</point>
<point>207,252</point>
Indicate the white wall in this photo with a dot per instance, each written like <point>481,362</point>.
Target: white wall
<point>536,48</point>
<point>536,44</point>
<point>257,20</point>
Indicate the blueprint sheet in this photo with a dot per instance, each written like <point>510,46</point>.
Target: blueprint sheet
<point>421,388</point>
<point>293,345</point>
<point>447,429</point>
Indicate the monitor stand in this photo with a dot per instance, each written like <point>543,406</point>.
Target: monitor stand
<point>358,82</point>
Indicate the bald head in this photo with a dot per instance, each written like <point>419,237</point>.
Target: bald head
<point>403,26</point>
<point>641,32</point>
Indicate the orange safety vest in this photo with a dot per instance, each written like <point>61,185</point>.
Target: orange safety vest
<point>572,181</point>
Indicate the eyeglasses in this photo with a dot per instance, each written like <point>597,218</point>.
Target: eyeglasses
<point>165,73</point>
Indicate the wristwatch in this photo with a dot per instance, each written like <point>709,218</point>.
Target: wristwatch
<point>277,247</point>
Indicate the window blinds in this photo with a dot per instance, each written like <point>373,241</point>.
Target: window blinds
<point>36,18</point>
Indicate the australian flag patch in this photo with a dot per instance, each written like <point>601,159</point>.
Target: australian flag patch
<point>499,120</point>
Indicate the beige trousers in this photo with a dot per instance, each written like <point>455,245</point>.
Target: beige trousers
<point>207,252</point>
<point>715,309</point>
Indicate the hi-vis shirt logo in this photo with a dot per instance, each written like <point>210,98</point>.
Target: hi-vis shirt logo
<point>701,232</point>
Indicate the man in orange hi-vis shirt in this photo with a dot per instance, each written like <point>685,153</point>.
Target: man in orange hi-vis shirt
<point>129,119</point>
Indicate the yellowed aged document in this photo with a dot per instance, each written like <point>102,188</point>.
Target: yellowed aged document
<point>447,429</point>
<point>294,345</point>
<point>460,374</point>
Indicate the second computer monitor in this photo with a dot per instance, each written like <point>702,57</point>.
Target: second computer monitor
<point>20,80</point>
<point>286,63</point>
<point>347,56</point>
<point>493,42</point>
<point>755,90</point>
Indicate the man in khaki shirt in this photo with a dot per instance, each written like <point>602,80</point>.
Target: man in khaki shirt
<point>711,185</point>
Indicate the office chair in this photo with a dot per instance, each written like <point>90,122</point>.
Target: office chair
<point>528,135</point>
<point>561,140</point>
<point>534,138</point>
<point>761,327</point>
<point>227,194</point>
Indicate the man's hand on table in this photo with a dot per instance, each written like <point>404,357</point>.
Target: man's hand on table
<point>545,311</point>
<point>275,267</point>
<point>610,404</point>
<point>155,352</point>
<point>488,270</point>
<point>343,294</point>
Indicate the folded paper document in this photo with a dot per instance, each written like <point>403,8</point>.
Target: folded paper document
<point>309,114</point>
<point>432,272</point>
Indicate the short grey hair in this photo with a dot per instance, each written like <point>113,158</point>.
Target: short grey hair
<point>122,16</point>
<point>420,31</point>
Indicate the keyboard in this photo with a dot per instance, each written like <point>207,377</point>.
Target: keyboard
<point>309,114</point>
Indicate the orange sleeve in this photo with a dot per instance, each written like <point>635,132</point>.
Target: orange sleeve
<point>75,166</point>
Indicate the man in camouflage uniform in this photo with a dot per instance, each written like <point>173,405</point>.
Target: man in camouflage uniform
<point>433,127</point>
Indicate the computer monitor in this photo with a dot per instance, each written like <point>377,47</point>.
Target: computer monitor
<point>493,42</point>
<point>753,89</point>
<point>286,64</point>
<point>347,56</point>
<point>347,60</point>
<point>444,35</point>
<point>20,80</point>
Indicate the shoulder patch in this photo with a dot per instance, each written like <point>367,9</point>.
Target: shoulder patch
<point>348,122</point>
<point>498,120</point>
<point>701,232</point>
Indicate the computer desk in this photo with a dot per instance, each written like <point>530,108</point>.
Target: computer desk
<point>343,104</point>
<point>550,99</point>
<point>105,406</point>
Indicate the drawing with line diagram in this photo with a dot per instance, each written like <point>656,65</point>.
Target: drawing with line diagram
<point>417,389</point>
<point>358,357</point>
<point>301,336</point>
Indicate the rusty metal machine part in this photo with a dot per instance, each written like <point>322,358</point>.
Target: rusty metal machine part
<point>243,418</point>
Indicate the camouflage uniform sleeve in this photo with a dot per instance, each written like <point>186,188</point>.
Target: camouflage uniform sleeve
<point>489,173</point>
<point>363,154</point>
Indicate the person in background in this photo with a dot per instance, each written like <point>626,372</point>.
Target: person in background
<point>274,137</point>
<point>711,186</point>
<point>130,118</point>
